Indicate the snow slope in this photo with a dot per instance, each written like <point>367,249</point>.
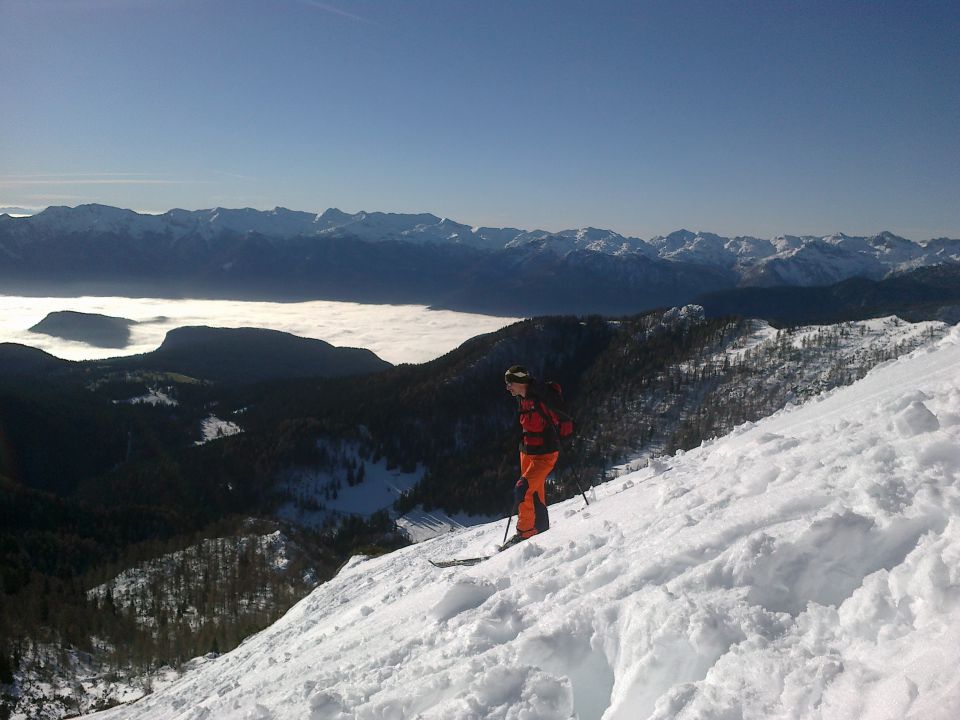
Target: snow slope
<point>807,566</point>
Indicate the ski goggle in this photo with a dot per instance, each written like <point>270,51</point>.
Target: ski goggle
<point>517,374</point>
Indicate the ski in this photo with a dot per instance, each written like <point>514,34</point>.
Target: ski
<point>515,540</point>
<point>459,561</point>
<point>473,560</point>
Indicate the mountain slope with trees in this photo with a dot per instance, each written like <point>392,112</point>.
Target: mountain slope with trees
<point>99,485</point>
<point>931,293</point>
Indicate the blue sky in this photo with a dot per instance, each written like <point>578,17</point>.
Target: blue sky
<point>757,118</point>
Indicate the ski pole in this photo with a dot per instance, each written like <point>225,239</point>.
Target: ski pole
<point>576,480</point>
<point>580,488</point>
<point>505,532</point>
<point>514,509</point>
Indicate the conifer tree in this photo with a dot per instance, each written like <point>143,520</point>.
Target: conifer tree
<point>6,666</point>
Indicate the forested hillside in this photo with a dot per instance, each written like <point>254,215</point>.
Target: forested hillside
<point>926,293</point>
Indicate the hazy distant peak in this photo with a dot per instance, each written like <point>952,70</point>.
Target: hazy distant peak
<point>333,216</point>
<point>889,239</point>
<point>682,235</point>
<point>90,211</point>
<point>17,211</point>
<point>418,218</point>
<point>607,242</point>
<point>674,241</point>
<point>93,217</point>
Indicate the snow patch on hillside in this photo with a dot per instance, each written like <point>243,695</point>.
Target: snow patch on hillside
<point>315,497</point>
<point>420,525</point>
<point>155,397</point>
<point>213,428</point>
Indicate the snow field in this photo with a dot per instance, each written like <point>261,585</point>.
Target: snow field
<point>314,502</point>
<point>213,428</point>
<point>806,566</point>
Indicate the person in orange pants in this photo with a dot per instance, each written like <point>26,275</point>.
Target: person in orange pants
<point>539,450</point>
<point>530,493</point>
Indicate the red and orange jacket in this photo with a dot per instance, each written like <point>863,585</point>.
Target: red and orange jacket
<point>538,421</point>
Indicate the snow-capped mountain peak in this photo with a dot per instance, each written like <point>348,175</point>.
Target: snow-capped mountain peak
<point>92,218</point>
<point>607,242</point>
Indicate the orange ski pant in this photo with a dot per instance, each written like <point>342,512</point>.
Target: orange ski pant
<point>530,495</point>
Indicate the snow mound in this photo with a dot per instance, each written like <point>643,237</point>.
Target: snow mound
<point>916,419</point>
<point>465,594</point>
<point>806,566</point>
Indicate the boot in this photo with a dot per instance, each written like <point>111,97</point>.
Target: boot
<point>512,541</point>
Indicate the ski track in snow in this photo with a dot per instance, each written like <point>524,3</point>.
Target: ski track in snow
<point>806,566</point>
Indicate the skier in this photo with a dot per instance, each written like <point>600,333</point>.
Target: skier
<point>539,450</point>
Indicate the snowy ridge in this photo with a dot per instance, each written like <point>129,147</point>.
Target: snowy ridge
<point>847,347</point>
<point>592,239</point>
<point>751,374</point>
<point>806,566</point>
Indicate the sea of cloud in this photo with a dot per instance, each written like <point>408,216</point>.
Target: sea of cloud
<point>397,333</point>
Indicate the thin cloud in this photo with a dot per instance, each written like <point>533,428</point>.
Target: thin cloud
<point>78,174</point>
<point>43,201</point>
<point>334,10</point>
<point>90,179</point>
<point>235,176</point>
<point>14,183</point>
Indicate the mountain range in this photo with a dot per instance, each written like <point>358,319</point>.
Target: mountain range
<point>424,259</point>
